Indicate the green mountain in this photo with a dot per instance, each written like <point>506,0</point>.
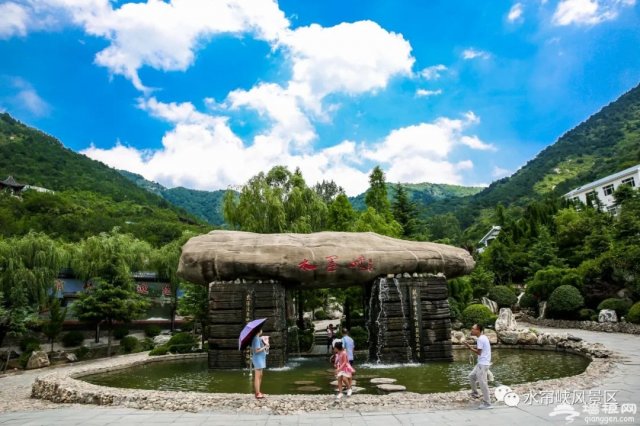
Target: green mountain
<point>422,194</point>
<point>89,197</point>
<point>207,205</point>
<point>607,142</point>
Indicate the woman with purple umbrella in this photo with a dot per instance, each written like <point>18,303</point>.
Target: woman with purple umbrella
<point>259,352</point>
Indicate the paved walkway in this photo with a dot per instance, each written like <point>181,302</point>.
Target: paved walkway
<point>622,386</point>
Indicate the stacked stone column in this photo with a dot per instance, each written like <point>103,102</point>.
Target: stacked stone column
<point>234,303</point>
<point>409,319</point>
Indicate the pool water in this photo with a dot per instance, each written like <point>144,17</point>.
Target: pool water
<point>314,375</point>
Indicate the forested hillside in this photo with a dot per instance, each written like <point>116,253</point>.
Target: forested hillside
<point>88,196</point>
<point>607,142</point>
<point>422,194</point>
<point>207,205</point>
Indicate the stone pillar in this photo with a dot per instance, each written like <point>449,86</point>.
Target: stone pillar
<point>234,303</point>
<point>409,319</point>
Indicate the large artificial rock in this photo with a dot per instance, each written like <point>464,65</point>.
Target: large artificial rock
<point>527,337</point>
<point>492,305</point>
<point>607,315</point>
<point>38,359</point>
<point>323,259</point>
<point>161,339</point>
<point>509,337</point>
<point>542,308</point>
<point>505,321</point>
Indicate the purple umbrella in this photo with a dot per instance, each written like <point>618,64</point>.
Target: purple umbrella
<point>248,332</point>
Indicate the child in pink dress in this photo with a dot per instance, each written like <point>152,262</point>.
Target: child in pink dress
<point>344,370</point>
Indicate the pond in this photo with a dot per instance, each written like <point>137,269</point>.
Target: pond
<point>314,375</point>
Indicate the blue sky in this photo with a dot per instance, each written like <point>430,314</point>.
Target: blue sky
<point>207,93</point>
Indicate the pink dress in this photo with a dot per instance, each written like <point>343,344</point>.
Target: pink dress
<point>342,365</point>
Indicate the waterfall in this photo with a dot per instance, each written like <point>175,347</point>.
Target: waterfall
<point>383,296</point>
<point>405,323</point>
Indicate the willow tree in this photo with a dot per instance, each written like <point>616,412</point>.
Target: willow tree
<point>29,266</point>
<point>165,262</point>
<point>278,201</point>
<point>110,258</point>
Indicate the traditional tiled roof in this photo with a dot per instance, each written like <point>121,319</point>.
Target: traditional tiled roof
<point>11,182</point>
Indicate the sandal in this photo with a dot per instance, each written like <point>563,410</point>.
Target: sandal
<point>260,396</point>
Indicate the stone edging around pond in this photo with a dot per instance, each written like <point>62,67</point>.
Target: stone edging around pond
<point>608,327</point>
<point>64,387</point>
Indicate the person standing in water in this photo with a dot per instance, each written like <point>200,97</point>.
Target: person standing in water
<point>259,352</point>
<point>479,374</point>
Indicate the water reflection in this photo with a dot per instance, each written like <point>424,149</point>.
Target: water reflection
<point>509,367</point>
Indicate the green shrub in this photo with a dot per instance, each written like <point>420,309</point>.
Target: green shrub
<point>82,352</point>
<point>147,344</point>
<point>621,306</point>
<point>503,296</point>
<point>23,359</point>
<point>545,281</point>
<point>478,314</point>
<point>528,301</point>
<point>320,314</point>
<point>72,338</point>
<point>120,331</point>
<point>360,337</point>
<point>634,314</point>
<point>160,350</point>
<point>152,330</point>
<point>306,340</point>
<point>29,344</point>
<point>564,302</point>
<point>586,314</point>
<point>454,308</point>
<point>129,344</point>
<point>182,343</point>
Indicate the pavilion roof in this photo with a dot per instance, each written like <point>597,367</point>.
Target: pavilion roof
<point>11,182</point>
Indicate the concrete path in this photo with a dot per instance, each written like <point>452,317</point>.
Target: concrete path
<point>622,388</point>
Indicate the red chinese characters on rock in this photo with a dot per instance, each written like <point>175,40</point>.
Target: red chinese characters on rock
<point>362,264</point>
<point>331,263</point>
<point>142,288</point>
<point>306,266</point>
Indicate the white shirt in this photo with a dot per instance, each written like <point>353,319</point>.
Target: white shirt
<point>485,355</point>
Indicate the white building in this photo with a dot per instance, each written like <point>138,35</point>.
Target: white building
<point>490,236</point>
<point>604,188</point>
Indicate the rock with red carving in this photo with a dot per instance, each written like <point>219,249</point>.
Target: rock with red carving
<point>323,259</point>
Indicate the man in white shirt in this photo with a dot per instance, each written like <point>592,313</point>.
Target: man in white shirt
<point>479,374</point>
<point>348,344</point>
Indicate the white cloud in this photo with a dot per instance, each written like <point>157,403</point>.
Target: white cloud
<point>472,53</point>
<point>350,58</point>
<point>424,92</point>
<point>21,95</point>
<point>515,13</point>
<point>588,12</point>
<point>419,153</point>
<point>165,35</point>
<point>13,20</point>
<point>475,143</point>
<point>499,172</point>
<point>433,72</point>
<point>202,152</point>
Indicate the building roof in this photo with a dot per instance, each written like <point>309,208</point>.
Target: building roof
<point>602,181</point>
<point>11,182</point>
<point>494,231</point>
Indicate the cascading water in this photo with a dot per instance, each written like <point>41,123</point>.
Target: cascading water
<point>405,322</point>
<point>383,306</point>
